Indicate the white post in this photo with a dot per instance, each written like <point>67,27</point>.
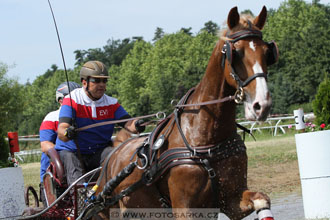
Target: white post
<point>299,119</point>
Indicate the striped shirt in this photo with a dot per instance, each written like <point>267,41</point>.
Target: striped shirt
<point>86,112</point>
<point>48,132</point>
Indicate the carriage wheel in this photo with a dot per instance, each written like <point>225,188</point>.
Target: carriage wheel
<point>27,194</point>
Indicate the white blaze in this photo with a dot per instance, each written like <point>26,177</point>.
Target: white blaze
<point>261,84</point>
<point>252,46</point>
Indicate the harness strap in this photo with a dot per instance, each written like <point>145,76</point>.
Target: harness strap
<point>245,130</point>
<point>214,184</point>
<point>177,156</point>
<point>244,34</point>
<point>176,117</point>
<point>248,80</point>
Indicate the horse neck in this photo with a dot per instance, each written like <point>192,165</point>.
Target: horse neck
<point>218,120</point>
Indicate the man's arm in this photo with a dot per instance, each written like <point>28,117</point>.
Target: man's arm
<point>61,131</point>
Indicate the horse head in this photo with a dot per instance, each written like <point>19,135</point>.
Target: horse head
<point>246,57</point>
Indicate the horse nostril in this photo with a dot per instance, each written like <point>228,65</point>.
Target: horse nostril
<point>256,106</point>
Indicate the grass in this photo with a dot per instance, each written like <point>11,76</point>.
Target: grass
<point>31,174</point>
<point>272,165</point>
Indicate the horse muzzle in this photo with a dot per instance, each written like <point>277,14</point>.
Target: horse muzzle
<point>257,110</point>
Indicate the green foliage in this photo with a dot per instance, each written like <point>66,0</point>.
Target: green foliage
<point>159,33</point>
<point>154,74</point>
<point>308,107</point>
<point>247,12</point>
<point>40,96</point>
<point>111,54</point>
<point>211,27</point>
<point>11,100</point>
<point>321,104</point>
<point>301,31</point>
<point>127,80</point>
<point>4,149</point>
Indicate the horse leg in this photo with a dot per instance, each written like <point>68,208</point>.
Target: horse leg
<point>257,201</point>
<point>236,201</point>
<point>189,187</point>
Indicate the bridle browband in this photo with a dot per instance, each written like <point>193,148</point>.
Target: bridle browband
<point>227,51</point>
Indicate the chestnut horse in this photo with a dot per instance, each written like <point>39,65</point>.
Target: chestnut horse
<point>237,71</point>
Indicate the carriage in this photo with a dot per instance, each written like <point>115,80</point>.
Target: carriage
<point>60,200</point>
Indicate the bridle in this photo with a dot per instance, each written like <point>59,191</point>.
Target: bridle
<point>227,51</point>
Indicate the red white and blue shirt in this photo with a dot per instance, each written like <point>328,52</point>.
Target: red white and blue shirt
<point>85,112</point>
<point>48,132</point>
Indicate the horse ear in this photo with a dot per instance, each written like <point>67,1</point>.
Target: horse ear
<point>260,20</point>
<point>233,18</point>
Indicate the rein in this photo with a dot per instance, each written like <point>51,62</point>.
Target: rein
<point>159,115</point>
<point>226,99</point>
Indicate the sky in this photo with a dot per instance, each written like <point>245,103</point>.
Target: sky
<point>28,40</point>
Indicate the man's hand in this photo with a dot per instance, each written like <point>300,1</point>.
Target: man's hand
<point>71,132</point>
<point>139,127</point>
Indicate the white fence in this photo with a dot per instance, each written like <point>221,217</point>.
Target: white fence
<point>275,123</point>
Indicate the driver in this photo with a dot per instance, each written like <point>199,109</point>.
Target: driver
<point>87,106</point>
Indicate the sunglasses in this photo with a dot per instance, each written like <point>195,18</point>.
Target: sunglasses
<point>98,80</point>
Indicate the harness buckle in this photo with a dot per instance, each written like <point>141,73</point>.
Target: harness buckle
<point>239,95</point>
<point>211,172</point>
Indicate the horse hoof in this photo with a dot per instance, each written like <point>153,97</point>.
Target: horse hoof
<point>265,214</point>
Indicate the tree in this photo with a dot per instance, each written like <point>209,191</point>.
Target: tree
<point>12,105</point>
<point>40,99</point>
<point>247,12</point>
<point>113,53</point>
<point>186,31</point>
<point>51,71</point>
<point>159,33</point>
<point>211,27</point>
<point>321,104</point>
<point>301,31</point>
<point>127,80</point>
